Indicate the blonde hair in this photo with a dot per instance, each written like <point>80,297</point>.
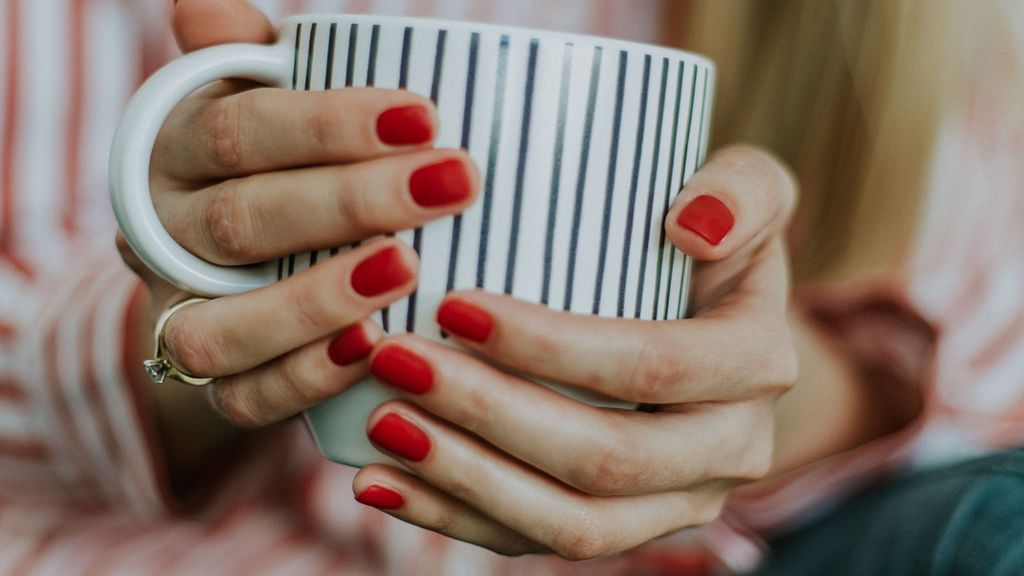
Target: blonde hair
<point>850,94</point>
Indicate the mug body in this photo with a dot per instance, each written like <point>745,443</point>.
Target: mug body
<point>582,143</point>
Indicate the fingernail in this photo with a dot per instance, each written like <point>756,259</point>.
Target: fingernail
<point>464,319</point>
<point>380,497</point>
<point>707,217</point>
<point>440,184</point>
<point>350,346</point>
<point>380,272</point>
<point>401,437</point>
<point>404,126</point>
<point>403,368</point>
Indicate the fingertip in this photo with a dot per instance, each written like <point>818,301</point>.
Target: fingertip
<point>202,23</point>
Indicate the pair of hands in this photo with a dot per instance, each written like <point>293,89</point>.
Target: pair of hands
<point>243,174</point>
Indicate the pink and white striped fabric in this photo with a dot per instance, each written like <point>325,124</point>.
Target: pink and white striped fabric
<point>82,489</point>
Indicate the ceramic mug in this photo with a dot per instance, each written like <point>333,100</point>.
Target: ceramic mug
<point>582,143</point>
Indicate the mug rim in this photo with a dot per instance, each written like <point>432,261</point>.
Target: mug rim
<point>519,31</point>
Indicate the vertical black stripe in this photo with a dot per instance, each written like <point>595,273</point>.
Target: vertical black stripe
<point>403,74</point>
<point>417,240</point>
<point>702,151</point>
<point>371,66</point>
<point>524,143</point>
<point>350,65</point>
<point>556,171</point>
<point>581,180</point>
<point>309,56</point>
<point>497,118</point>
<point>668,191</point>
<point>335,250</point>
<point>295,64</point>
<point>631,207</point>
<point>280,269</point>
<point>329,75</point>
<point>295,86</point>
<point>652,186</point>
<point>371,79</point>
<point>435,85</point>
<point>613,161</point>
<point>313,256</point>
<point>467,126</point>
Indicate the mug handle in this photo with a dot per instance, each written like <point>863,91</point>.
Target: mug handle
<point>132,149</point>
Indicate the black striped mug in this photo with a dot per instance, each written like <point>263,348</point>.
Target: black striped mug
<point>582,141</point>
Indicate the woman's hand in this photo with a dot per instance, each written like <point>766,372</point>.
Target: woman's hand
<point>515,467</point>
<point>243,174</point>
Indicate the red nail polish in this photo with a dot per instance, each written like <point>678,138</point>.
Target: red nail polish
<point>350,346</point>
<point>381,272</point>
<point>707,217</point>
<point>466,320</point>
<point>440,184</point>
<point>380,497</point>
<point>401,437</point>
<point>403,368</point>
<point>405,126</point>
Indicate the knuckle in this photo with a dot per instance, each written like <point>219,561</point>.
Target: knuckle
<point>188,348</point>
<point>312,313</point>
<point>655,373</point>
<point>779,366</point>
<point>583,538</point>
<point>224,130</point>
<point>614,470</point>
<point>324,128</point>
<point>754,460</point>
<point>236,406</point>
<point>227,225</point>
<point>710,510</point>
<point>445,521</point>
<point>303,382</point>
<point>354,209</point>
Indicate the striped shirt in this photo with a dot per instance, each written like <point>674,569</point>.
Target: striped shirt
<point>82,487</point>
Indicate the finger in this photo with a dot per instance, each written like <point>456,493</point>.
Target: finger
<point>731,204</point>
<point>599,451</point>
<point>237,333</point>
<point>261,217</point>
<point>265,129</point>
<point>297,380</point>
<point>739,353</point>
<point>202,23</point>
<point>413,500</point>
<point>574,525</point>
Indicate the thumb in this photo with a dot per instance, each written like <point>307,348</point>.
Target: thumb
<point>202,23</point>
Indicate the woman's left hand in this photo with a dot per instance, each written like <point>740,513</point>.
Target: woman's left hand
<point>499,461</point>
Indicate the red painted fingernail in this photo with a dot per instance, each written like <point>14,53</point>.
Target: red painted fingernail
<point>440,184</point>
<point>405,126</point>
<point>707,217</point>
<point>350,346</point>
<point>399,436</point>
<point>466,320</point>
<point>403,368</point>
<point>381,272</point>
<point>380,497</point>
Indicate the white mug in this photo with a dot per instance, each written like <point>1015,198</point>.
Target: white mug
<point>582,142</point>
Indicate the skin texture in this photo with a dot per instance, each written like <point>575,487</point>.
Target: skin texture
<point>508,465</point>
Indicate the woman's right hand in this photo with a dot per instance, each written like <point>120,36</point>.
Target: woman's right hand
<point>243,174</point>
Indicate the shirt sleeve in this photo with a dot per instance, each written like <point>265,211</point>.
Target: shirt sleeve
<point>74,430</point>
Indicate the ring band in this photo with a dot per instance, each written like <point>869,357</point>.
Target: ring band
<point>160,368</point>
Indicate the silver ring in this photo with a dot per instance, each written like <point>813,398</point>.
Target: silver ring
<point>160,368</point>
